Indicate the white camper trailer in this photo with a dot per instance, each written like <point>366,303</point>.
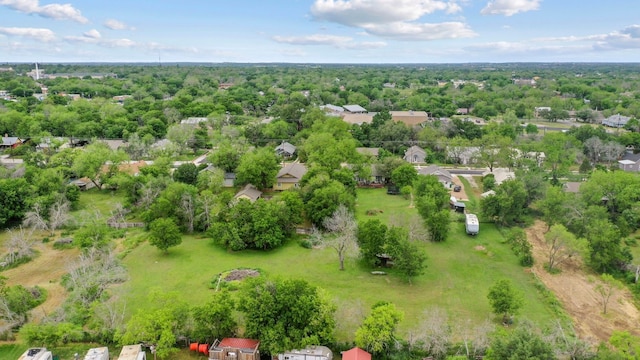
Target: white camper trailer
<point>36,354</point>
<point>471,224</point>
<point>101,353</point>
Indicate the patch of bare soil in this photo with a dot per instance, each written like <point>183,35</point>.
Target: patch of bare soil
<point>575,286</point>
<point>240,274</point>
<point>46,271</point>
<point>462,194</point>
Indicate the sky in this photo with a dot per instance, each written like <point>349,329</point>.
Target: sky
<point>319,31</point>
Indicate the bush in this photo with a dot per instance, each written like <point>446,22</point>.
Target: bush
<point>488,182</point>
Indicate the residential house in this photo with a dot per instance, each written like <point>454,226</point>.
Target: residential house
<point>114,144</point>
<point>443,175</point>
<point>524,82</point>
<point>234,349</point>
<point>224,86</point>
<point>415,154</point>
<point>289,176</point>
<point>630,162</point>
<point>616,121</point>
<point>410,118</point>
<point>332,110</point>
<point>355,109</point>
<point>249,192</point>
<point>538,111</point>
<point>36,354</point>
<point>356,354</point>
<point>9,142</point>
<point>285,150</point>
<point>312,352</point>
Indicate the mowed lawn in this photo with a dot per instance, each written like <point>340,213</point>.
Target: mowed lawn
<point>457,279</point>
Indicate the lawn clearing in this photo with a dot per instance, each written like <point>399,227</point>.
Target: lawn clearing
<point>456,280</point>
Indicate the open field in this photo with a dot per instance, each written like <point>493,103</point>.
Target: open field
<point>459,271</point>
<point>458,275</point>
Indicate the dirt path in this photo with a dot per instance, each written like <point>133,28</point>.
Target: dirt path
<point>575,288</point>
<point>46,271</point>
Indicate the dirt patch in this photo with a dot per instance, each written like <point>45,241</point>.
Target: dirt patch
<point>48,266</point>
<point>480,248</point>
<point>462,194</point>
<point>240,274</point>
<point>45,271</point>
<point>575,286</point>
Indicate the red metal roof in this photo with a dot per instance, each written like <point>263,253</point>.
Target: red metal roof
<point>238,343</point>
<point>356,354</point>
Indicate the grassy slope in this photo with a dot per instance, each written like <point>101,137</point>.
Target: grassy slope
<point>457,277</point>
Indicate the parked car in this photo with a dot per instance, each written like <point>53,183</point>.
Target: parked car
<point>457,188</point>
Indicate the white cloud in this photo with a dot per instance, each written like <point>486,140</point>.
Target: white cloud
<point>393,18</point>
<point>418,31</point>
<point>317,39</point>
<point>340,42</point>
<point>93,33</point>
<point>358,12</point>
<point>510,7</point>
<point>114,24</point>
<point>44,35</point>
<point>52,11</point>
<point>627,38</point>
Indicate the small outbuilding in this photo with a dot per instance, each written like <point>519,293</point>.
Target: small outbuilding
<point>356,354</point>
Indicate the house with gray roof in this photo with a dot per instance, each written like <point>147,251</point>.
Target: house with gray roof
<point>285,150</point>
<point>415,154</point>
<point>630,162</point>
<point>289,176</point>
<point>443,175</point>
<point>249,192</point>
<point>616,121</point>
<point>355,109</point>
<point>10,142</point>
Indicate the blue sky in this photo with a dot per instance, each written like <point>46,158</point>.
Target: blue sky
<point>320,31</point>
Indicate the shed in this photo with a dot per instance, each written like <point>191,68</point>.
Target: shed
<point>459,206</point>
<point>356,354</point>
<point>235,348</point>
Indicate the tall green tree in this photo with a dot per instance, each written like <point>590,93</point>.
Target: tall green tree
<point>215,319</point>
<point>258,167</point>
<point>286,314</point>
<point>14,200</point>
<point>162,320</point>
<point>505,300</point>
<point>508,205</point>
<point>164,233</point>
<point>404,175</point>
<point>371,240</point>
<point>377,334</point>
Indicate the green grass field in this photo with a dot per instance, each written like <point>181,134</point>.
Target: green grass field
<point>459,272</point>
